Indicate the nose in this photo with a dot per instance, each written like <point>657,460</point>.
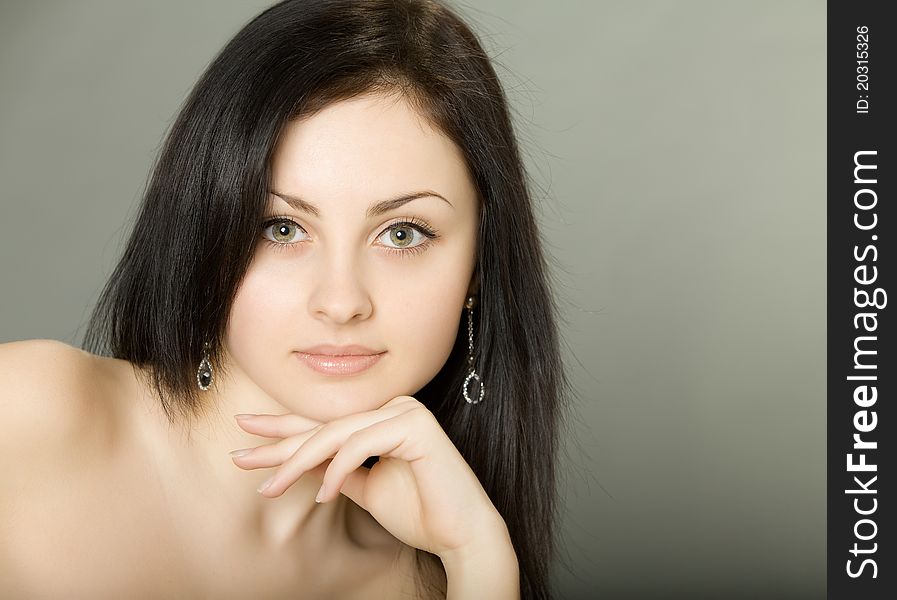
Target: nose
<point>340,294</point>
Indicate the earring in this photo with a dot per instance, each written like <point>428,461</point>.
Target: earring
<point>472,374</point>
<point>204,372</point>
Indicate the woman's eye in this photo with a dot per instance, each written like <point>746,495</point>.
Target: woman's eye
<point>401,235</point>
<point>282,231</point>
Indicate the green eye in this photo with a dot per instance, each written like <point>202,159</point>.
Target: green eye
<point>401,235</point>
<point>282,231</point>
<point>407,237</point>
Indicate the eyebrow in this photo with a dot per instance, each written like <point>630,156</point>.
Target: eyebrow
<point>374,210</point>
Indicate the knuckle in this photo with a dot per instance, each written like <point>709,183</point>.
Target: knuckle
<point>421,408</point>
<point>355,436</point>
<point>401,400</point>
<point>422,413</point>
<point>287,444</point>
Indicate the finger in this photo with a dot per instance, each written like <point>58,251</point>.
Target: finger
<point>273,455</point>
<point>324,444</point>
<point>316,474</point>
<point>277,425</point>
<point>291,423</point>
<point>400,400</point>
<point>352,487</point>
<point>344,426</point>
<point>380,439</point>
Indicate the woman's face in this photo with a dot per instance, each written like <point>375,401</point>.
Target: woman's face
<point>334,274</point>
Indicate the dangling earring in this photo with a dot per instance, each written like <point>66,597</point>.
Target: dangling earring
<point>472,374</point>
<point>204,372</point>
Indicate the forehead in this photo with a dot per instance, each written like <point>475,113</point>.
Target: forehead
<point>367,148</point>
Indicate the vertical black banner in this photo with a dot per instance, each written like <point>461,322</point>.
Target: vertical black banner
<point>862,369</point>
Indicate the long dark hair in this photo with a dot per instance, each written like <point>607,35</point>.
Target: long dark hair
<point>199,222</point>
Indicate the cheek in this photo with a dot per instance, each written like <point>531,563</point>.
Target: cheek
<point>259,316</point>
<point>424,324</point>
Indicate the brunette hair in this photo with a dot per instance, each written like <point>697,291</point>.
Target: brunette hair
<point>198,225</point>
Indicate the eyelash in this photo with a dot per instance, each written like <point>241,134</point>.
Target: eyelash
<point>422,226</point>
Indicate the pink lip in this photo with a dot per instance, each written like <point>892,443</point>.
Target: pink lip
<point>330,349</point>
<point>328,364</point>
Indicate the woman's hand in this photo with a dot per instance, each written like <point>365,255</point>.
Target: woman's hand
<point>422,490</point>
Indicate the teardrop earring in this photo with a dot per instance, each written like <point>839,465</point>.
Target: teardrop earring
<point>479,389</point>
<point>204,372</point>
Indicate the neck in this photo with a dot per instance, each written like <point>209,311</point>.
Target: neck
<point>195,461</point>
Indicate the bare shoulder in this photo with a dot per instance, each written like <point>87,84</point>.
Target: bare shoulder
<point>56,420</point>
<point>48,395</point>
<point>57,413</point>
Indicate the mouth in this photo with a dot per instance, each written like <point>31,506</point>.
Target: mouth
<point>339,365</point>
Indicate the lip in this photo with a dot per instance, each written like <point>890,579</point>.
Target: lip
<point>339,365</point>
<point>331,350</point>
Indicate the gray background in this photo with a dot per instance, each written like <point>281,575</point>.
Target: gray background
<point>679,154</point>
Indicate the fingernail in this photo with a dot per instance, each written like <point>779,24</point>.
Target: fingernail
<point>243,416</point>
<point>243,452</point>
<point>265,485</point>
<point>320,494</point>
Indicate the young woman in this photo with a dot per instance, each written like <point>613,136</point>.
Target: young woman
<point>338,238</point>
